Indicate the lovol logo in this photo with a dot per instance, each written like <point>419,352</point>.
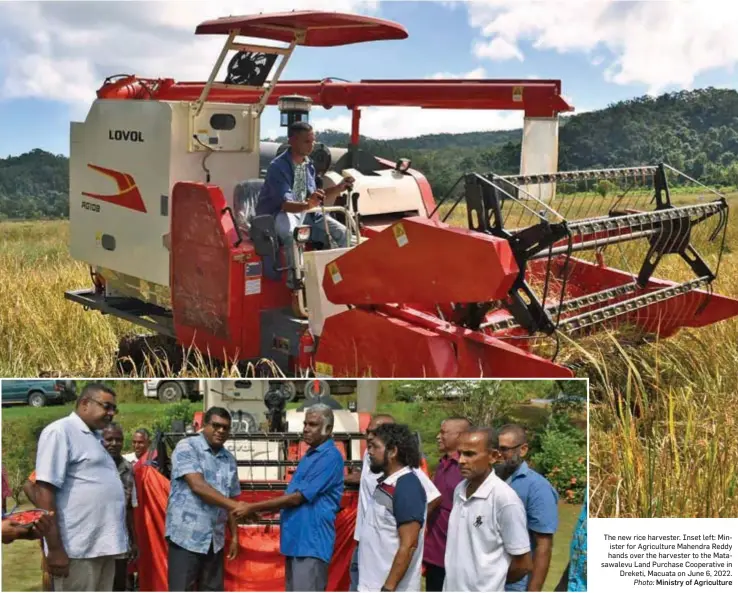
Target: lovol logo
<point>125,135</point>
<point>127,195</point>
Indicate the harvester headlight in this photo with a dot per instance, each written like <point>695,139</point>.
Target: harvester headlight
<point>302,234</point>
<point>402,165</point>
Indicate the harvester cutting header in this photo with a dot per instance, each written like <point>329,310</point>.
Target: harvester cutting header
<point>166,177</point>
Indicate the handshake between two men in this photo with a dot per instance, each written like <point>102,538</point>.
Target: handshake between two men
<point>245,512</point>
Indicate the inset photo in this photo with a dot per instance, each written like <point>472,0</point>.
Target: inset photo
<point>280,485</point>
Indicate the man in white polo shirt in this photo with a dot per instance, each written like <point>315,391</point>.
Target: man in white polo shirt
<point>78,480</point>
<point>367,485</point>
<point>488,543</point>
<point>391,549</point>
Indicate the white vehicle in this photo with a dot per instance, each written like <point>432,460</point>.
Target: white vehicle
<point>174,390</point>
<point>165,176</point>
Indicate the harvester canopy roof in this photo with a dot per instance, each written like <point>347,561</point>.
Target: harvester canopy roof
<point>322,29</point>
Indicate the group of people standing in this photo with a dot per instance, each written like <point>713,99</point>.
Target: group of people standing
<point>485,522</point>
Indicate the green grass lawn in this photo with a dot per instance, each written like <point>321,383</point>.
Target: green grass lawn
<point>22,566</point>
<point>568,516</point>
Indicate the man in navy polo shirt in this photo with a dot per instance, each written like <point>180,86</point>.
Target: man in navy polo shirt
<point>391,538</point>
<point>540,500</point>
<point>310,505</point>
<point>290,189</point>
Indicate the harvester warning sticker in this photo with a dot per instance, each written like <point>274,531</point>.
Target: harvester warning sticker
<point>253,286</point>
<point>335,274</point>
<point>253,278</point>
<point>400,235</point>
<point>517,94</point>
<point>253,269</point>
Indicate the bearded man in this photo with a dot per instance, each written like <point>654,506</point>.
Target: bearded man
<point>540,500</point>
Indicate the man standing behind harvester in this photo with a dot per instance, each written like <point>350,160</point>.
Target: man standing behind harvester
<point>309,506</point>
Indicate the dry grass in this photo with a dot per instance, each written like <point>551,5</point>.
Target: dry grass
<point>42,333</point>
<point>663,418</point>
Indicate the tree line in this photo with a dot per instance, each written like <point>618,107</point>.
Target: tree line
<point>694,131</point>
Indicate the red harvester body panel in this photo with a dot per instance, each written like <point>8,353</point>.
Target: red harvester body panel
<point>422,261</point>
<point>218,287</point>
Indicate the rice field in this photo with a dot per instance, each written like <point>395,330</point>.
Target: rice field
<point>663,413</point>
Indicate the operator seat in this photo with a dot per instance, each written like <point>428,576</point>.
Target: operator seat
<point>245,198</point>
<point>261,229</point>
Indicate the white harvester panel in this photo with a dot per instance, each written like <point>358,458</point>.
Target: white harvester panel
<point>244,399</point>
<point>124,160</point>
<point>319,307</point>
<point>385,192</point>
<point>540,154</point>
<point>343,421</point>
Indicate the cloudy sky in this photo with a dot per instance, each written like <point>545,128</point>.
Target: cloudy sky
<point>54,55</point>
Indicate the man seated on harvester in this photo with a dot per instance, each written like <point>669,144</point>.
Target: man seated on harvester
<point>290,190</point>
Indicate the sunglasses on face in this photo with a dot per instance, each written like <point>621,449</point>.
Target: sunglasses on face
<point>218,426</point>
<point>502,449</point>
<point>108,407</point>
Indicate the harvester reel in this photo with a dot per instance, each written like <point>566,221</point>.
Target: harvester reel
<point>558,229</point>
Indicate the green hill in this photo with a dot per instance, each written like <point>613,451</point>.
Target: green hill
<point>694,131</point>
<point>34,185</point>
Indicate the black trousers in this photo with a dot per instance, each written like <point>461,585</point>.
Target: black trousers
<point>121,575</point>
<point>434,577</point>
<point>190,571</point>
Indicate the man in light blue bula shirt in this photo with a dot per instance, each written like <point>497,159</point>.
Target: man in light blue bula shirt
<point>310,505</point>
<point>290,189</point>
<point>540,500</point>
<point>78,480</point>
<point>204,484</point>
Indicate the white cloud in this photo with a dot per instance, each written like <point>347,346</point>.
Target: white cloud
<point>498,49</point>
<point>472,74</point>
<point>406,122</point>
<point>64,50</point>
<point>652,43</point>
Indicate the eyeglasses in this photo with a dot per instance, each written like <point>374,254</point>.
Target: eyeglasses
<point>108,407</point>
<point>502,449</point>
<point>218,426</point>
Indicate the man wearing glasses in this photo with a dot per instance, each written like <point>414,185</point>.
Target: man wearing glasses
<point>540,500</point>
<point>78,480</point>
<point>204,485</point>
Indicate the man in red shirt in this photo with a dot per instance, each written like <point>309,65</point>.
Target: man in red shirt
<point>446,478</point>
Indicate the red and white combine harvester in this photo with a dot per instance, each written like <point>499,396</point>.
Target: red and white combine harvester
<point>165,176</point>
